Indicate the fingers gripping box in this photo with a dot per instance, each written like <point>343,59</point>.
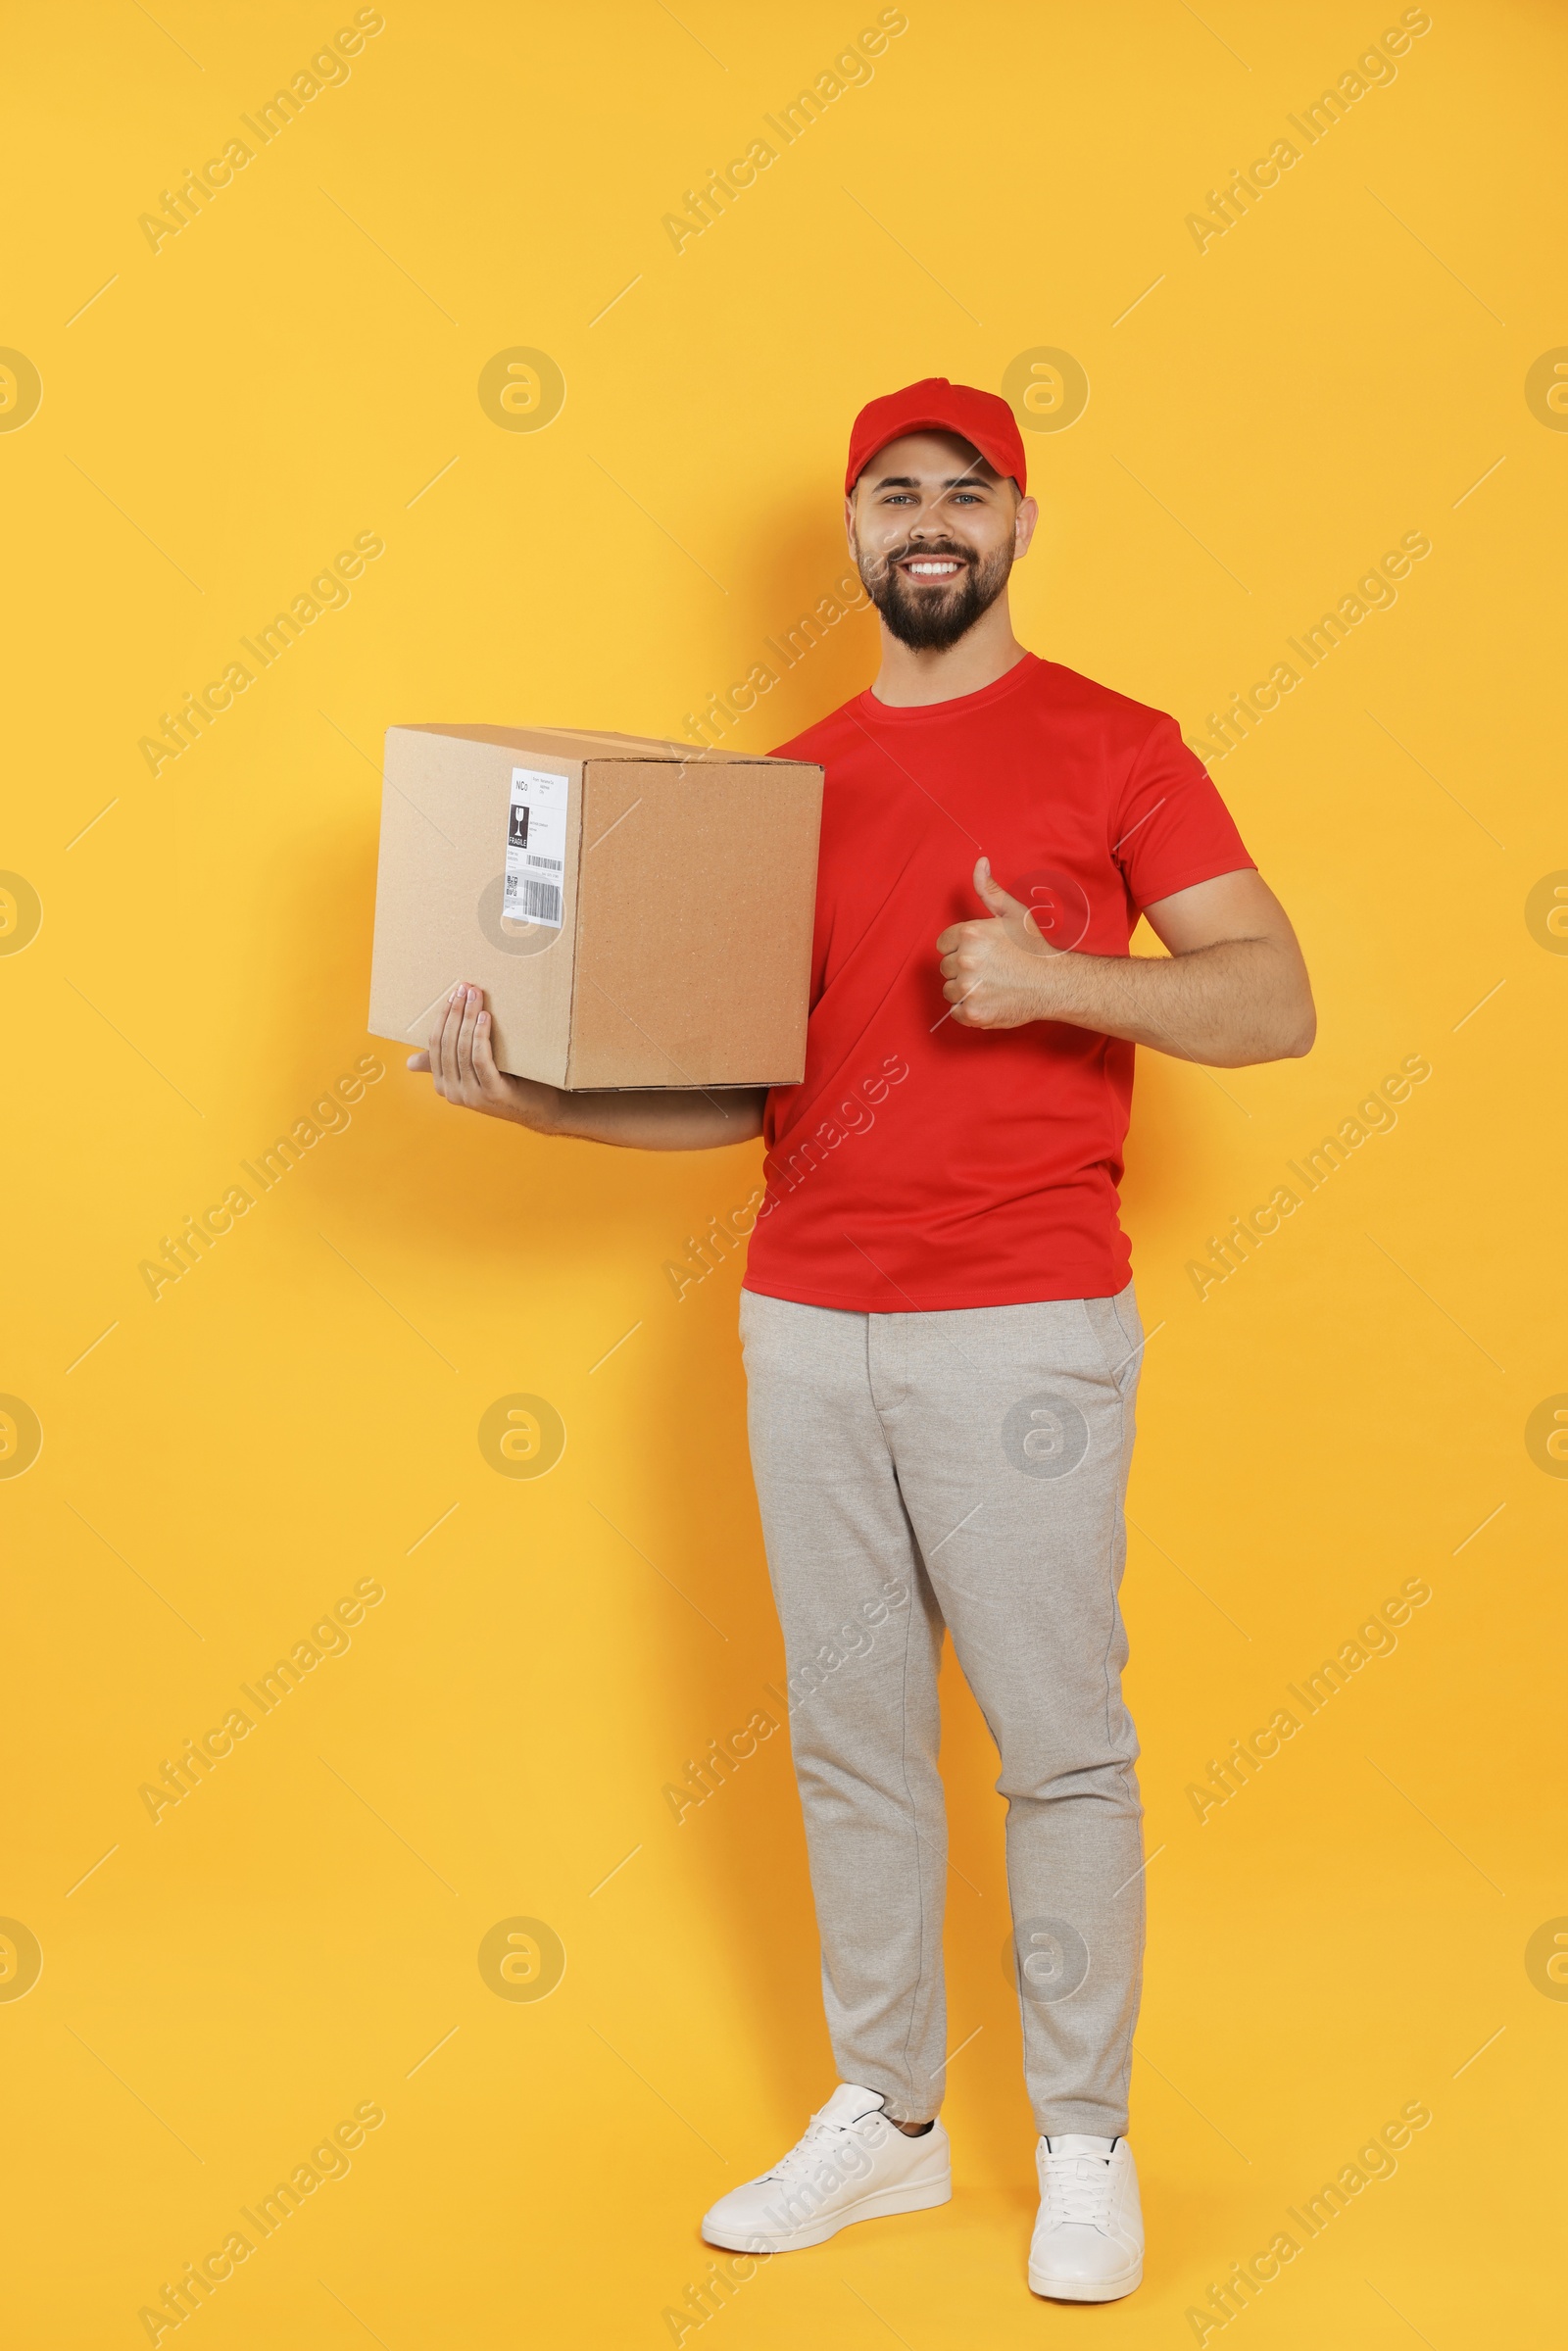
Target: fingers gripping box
<point>639,913</point>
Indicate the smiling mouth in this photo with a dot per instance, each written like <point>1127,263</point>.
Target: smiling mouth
<point>931,566</point>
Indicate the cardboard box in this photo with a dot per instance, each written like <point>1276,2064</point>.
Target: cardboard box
<point>638,913</point>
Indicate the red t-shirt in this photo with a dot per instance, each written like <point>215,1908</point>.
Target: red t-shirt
<point>919,1165</point>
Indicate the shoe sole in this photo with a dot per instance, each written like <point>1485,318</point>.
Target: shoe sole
<point>1087,2289</point>
<point>874,2207</point>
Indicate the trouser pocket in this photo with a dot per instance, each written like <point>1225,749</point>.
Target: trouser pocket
<point>1119,1335</point>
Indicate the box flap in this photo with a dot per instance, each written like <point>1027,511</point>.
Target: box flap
<point>585,743</point>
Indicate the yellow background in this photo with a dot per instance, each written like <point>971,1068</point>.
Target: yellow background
<point>296,1413</point>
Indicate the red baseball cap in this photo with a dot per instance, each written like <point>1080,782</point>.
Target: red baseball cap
<point>933,404</point>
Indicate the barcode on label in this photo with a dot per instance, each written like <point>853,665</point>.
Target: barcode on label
<point>552,865</point>
<point>541,900</point>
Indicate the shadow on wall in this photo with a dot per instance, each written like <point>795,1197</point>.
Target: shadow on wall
<point>803,640</point>
<point>1179,1142</point>
<point>740,1852</point>
<point>422,1184</point>
<point>587,1206</point>
<point>666,1459</point>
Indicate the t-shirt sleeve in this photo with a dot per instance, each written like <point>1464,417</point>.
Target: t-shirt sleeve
<point>1170,827</point>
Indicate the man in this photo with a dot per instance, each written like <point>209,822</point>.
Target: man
<point>941,1338</point>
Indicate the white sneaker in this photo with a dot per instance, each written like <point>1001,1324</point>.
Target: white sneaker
<point>1089,2239</point>
<point>852,2165</point>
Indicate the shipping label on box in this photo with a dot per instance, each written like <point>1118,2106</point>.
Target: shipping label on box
<point>536,847</point>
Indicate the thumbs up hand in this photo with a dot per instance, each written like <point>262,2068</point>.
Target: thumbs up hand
<point>996,973</point>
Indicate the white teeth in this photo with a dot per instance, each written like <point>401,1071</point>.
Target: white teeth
<point>933,570</point>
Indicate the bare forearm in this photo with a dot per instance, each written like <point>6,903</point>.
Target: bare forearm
<point>462,1070</point>
<point>1242,1000</point>
<point>1231,989</point>
<point>657,1121</point>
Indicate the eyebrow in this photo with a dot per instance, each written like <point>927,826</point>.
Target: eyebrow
<point>953,481</point>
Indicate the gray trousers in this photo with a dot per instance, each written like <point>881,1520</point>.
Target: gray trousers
<point>964,1468</point>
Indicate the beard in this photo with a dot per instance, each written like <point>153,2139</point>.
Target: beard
<point>931,617</point>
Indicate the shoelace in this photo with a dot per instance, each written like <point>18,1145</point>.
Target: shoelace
<point>1078,2188</point>
<point>819,2140</point>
